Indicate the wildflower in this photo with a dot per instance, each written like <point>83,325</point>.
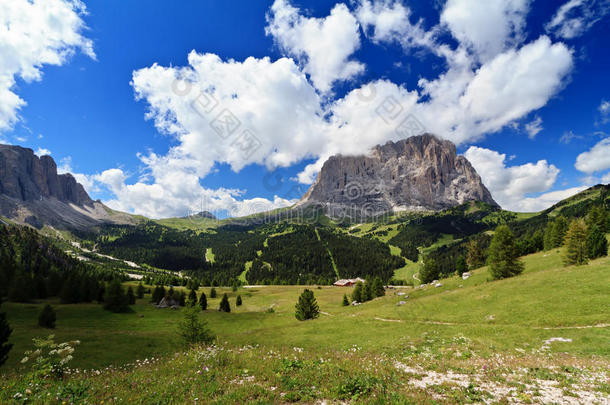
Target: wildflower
<point>24,360</point>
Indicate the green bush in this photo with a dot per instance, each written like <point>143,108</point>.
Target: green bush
<point>47,317</point>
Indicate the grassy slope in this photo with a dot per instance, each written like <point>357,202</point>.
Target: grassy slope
<point>546,295</point>
<point>465,326</point>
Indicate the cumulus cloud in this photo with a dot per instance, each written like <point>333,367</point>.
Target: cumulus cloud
<point>596,159</point>
<point>42,152</point>
<point>322,45</point>
<point>486,27</point>
<point>277,113</point>
<point>606,178</point>
<point>575,17</point>
<point>546,200</point>
<point>533,127</point>
<point>511,185</point>
<point>34,34</point>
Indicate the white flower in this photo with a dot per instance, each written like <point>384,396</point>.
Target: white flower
<point>24,360</point>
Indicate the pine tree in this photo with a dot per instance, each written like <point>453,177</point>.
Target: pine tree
<point>21,287</point>
<point>5,333</point>
<point>47,317</point>
<point>238,301</point>
<point>181,298</point>
<point>224,304</point>
<point>558,231</point>
<point>307,307</point>
<point>203,302</point>
<point>345,300</point>
<point>503,256</point>
<point>171,293</point>
<point>461,266</point>
<point>115,299</point>
<point>131,297</point>
<point>193,329</point>
<point>158,294</point>
<point>576,244</point>
<point>597,244</point>
<point>192,298</point>
<point>140,291</point>
<point>367,291</point>
<point>597,216</point>
<point>213,293</point>
<point>475,256</point>
<point>358,292</point>
<point>377,287</point>
<point>429,271</point>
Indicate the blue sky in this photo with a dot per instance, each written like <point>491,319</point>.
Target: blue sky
<point>524,79</point>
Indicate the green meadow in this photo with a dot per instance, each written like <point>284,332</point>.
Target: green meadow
<point>511,318</point>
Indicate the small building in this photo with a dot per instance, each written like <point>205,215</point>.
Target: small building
<point>347,282</point>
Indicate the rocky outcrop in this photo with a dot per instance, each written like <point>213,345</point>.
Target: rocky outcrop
<point>418,173</point>
<point>32,192</point>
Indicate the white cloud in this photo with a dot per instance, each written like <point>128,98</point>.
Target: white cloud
<point>42,151</point>
<point>322,45</point>
<point>389,21</point>
<point>34,34</point>
<point>604,110</point>
<point>596,159</point>
<point>510,185</point>
<point>606,178</point>
<point>486,27</point>
<point>575,17</point>
<point>534,127</point>
<point>547,200</point>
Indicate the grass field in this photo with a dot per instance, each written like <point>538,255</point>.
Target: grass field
<point>451,329</point>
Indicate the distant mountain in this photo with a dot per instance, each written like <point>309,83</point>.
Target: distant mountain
<point>421,173</point>
<point>31,192</point>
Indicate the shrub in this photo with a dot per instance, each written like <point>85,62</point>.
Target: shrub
<point>192,328</point>
<point>213,293</point>
<point>307,307</point>
<point>47,317</point>
<point>158,294</point>
<point>192,299</point>
<point>238,301</point>
<point>345,300</point>
<point>357,294</point>
<point>224,304</point>
<point>49,359</point>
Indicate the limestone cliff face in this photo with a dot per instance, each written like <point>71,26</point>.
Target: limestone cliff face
<point>418,173</point>
<point>26,177</point>
<point>32,192</point>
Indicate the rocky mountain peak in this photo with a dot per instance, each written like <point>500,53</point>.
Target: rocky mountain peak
<point>419,173</point>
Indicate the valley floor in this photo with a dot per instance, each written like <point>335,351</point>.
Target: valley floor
<point>539,337</point>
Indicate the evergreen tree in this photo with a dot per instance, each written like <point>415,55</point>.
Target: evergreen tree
<point>158,294</point>
<point>140,291</point>
<point>547,243</point>
<point>461,266</point>
<point>115,299</point>
<point>503,256</point>
<point>238,301</point>
<point>213,293</point>
<point>40,286</point>
<point>170,292</point>
<point>131,297</point>
<point>224,304</point>
<point>367,292</point>
<point>70,292</point>
<point>192,299</point>
<point>597,244</point>
<point>181,298</point>
<point>357,294</point>
<point>21,287</point>
<point>576,244</point>
<point>5,333</point>
<point>377,287</point>
<point>307,307</point>
<point>429,271</point>
<point>597,216</point>
<point>345,300</point>
<point>203,301</point>
<point>47,317</point>
<point>192,328</point>
<point>558,231</point>
<point>475,256</point>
